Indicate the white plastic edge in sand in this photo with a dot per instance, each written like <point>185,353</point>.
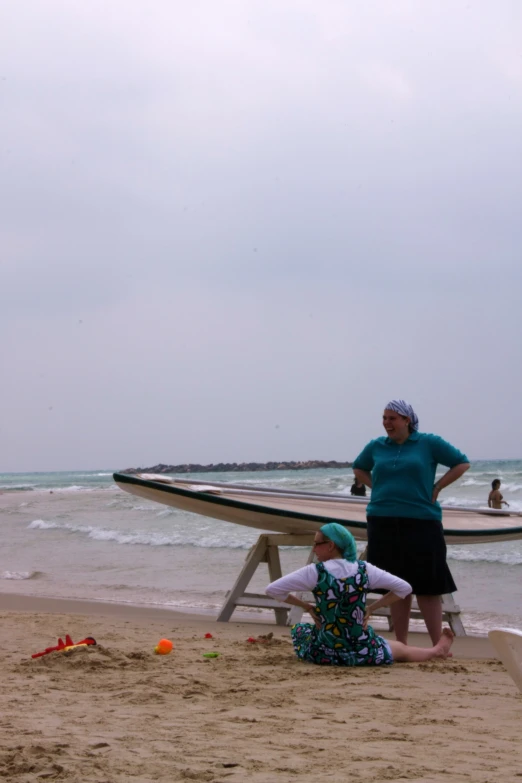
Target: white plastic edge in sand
<point>508,644</point>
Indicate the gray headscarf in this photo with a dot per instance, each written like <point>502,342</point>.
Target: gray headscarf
<point>404,409</point>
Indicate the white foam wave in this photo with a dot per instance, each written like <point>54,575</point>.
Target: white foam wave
<point>81,488</point>
<point>165,512</point>
<point>19,574</point>
<point>210,539</point>
<point>72,488</point>
<point>454,501</point>
<point>41,524</point>
<point>514,505</point>
<point>480,623</point>
<point>478,555</point>
<point>143,538</point>
<point>17,487</point>
<point>151,507</point>
<point>511,487</point>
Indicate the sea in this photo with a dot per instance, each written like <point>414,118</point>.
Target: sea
<point>77,535</point>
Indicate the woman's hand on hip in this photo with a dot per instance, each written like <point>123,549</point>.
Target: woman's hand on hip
<point>312,611</point>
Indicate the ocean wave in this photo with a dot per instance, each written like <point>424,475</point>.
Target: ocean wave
<point>143,538</point>
<point>80,488</point>
<point>218,539</point>
<point>58,489</point>
<point>480,505</point>
<point>83,488</point>
<point>492,474</point>
<point>454,501</point>
<point>17,487</point>
<point>480,623</point>
<point>41,524</point>
<point>20,574</point>
<point>507,487</point>
<point>151,507</point>
<point>165,512</point>
<point>478,555</point>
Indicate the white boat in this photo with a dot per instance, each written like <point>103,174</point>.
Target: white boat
<point>291,511</point>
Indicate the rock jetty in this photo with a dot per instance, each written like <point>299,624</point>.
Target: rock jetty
<point>241,467</point>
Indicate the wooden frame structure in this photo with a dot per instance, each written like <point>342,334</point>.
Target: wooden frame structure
<point>266,550</point>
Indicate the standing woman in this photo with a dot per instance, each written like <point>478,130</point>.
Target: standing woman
<point>405,534</point>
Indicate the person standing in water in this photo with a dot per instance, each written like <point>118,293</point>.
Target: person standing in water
<point>405,533</point>
<point>495,499</point>
<point>358,489</point>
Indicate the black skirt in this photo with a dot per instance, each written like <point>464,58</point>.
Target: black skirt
<point>413,549</point>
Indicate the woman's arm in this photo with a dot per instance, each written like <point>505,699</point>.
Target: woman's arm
<point>448,478</point>
<point>306,605</point>
<point>363,476</point>
<point>363,465</point>
<point>304,579</point>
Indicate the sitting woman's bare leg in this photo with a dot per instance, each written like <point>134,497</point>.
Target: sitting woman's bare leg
<point>402,653</point>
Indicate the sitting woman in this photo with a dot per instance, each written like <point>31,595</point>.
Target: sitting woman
<point>341,635</point>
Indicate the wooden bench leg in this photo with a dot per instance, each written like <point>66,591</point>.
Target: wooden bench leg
<point>265,550</point>
<point>451,613</point>
<point>295,614</point>
<point>274,572</point>
<point>256,555</point>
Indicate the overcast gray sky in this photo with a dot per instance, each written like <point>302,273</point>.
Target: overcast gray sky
<point>233,229</point>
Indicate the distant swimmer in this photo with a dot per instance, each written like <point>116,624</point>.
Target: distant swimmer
<point>358,488</point>
<point>495,499</point>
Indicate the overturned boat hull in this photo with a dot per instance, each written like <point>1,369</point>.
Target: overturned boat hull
<point>287,511</point>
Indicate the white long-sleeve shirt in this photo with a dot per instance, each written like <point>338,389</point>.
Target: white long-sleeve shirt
<point>305,579</point>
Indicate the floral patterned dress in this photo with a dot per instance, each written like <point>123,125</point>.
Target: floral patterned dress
<point>342,640</point>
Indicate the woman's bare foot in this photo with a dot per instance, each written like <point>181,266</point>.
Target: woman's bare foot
<point>442,648</point>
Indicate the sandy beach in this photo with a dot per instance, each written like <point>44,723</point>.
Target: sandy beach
<point>117,712</point>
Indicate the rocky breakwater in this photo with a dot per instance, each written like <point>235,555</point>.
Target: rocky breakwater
<point>239,467</point>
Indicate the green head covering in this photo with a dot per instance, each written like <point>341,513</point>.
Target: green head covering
<point>342,539</point>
